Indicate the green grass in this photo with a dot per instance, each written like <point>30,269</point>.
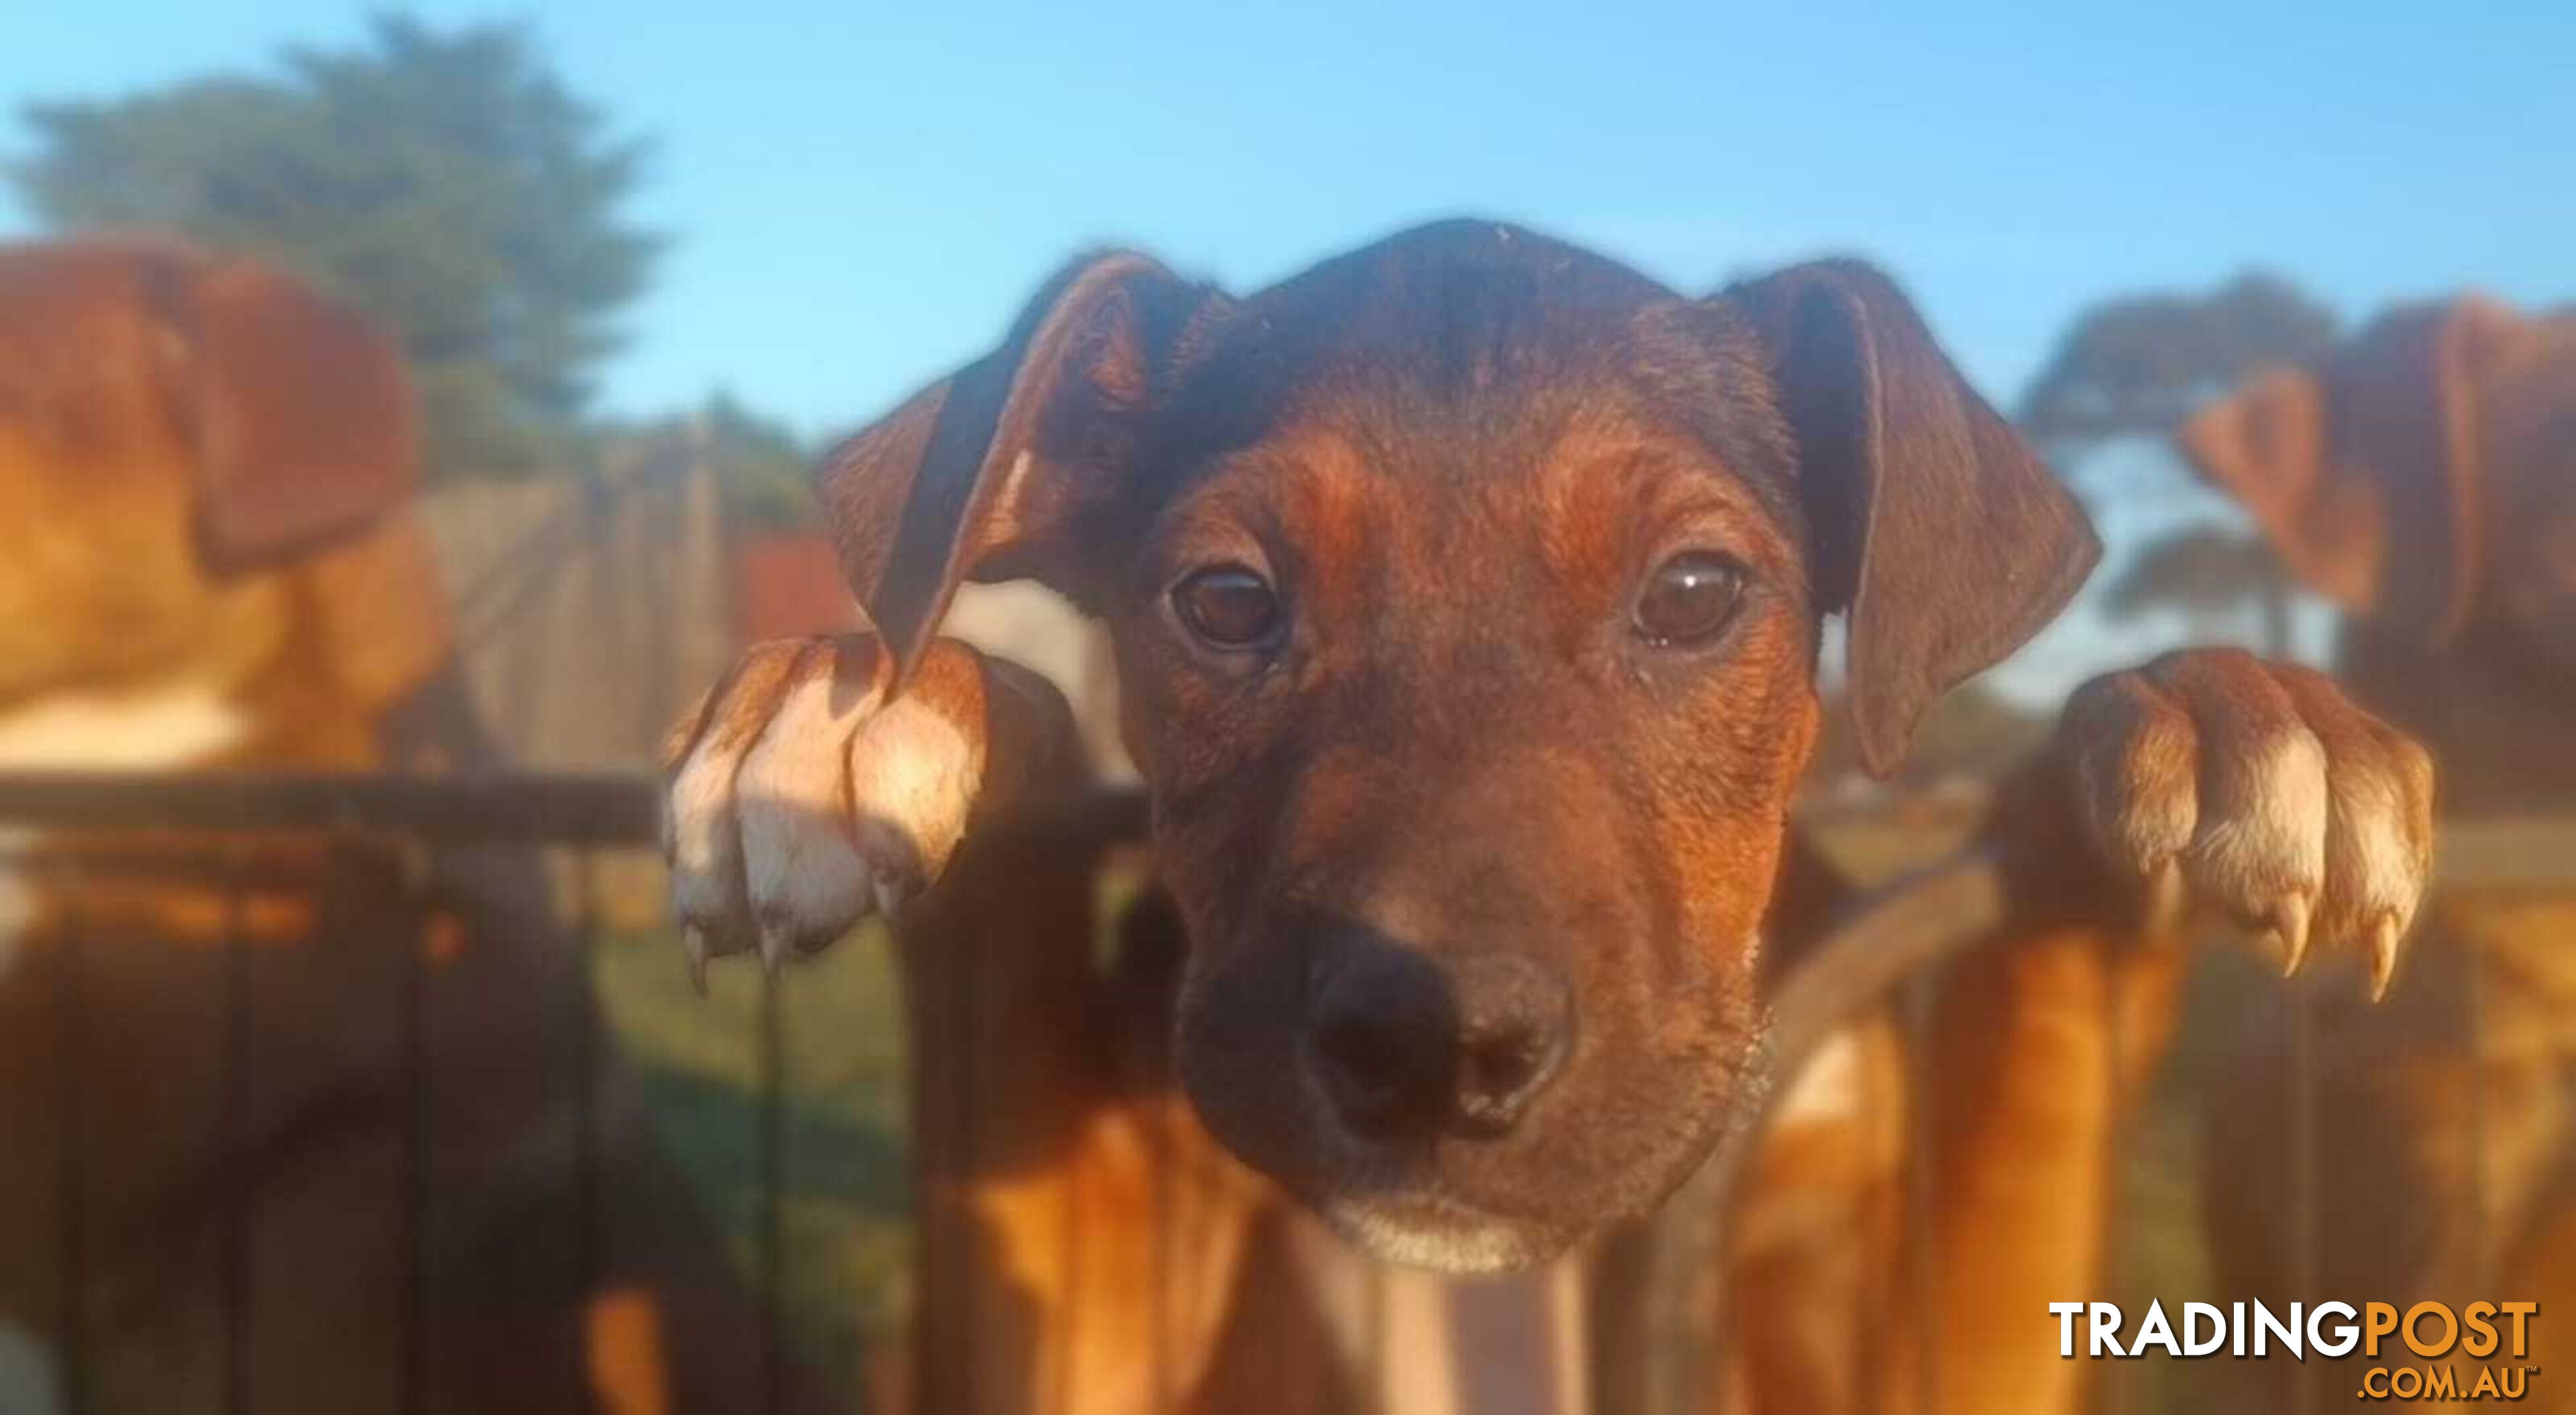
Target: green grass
<point>845,1206</point>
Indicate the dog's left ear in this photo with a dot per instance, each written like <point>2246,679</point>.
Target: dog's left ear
<point>981,475</point>
<point>306,428</point>
<point>2367,473</point>
<point>1935,525</point>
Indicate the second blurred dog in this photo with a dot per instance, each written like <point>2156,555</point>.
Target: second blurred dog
<point>2423,477</point>
<point>208,1180</point>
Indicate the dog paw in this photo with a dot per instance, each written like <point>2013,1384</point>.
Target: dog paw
<point>803,797</point>
<point>2211,776</point>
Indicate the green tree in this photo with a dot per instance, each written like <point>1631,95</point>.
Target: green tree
<point>2138,365</point>
<point>446,182</point>
<point>2204,571</point>
<point>762,469</point>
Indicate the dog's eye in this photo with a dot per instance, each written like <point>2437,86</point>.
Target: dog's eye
<point>1228,606</point>
<point>1689,598</point>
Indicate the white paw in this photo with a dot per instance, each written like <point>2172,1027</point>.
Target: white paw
<point>2261,789</point>
<point>801,800</point>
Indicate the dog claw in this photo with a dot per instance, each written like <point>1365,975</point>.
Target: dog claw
<point>2290,926</point>
<point>890,896</point>
<point>701,944</point>
<point>2383,955</point>
<point>693,946</point>
<point>2167,895</point>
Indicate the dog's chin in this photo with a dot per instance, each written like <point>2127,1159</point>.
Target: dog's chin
<point>1614,1136</point>
<point>1441,1235</point>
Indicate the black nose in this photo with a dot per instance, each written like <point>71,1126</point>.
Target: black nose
<point>1406,1047</point>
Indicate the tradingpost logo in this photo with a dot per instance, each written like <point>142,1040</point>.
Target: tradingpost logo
<point>2424,1352</point>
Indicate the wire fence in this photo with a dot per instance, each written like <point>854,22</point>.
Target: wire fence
<point>79,837</point>
<point>82,844</point>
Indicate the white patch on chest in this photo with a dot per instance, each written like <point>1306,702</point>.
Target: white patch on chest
<point>172,725</point>
<point>158,729</point>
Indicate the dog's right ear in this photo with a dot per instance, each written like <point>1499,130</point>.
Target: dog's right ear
<point>981,475</point>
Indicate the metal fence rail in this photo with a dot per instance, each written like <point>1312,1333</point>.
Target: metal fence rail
<point>550,809</point>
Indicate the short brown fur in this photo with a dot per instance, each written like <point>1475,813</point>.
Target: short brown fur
<point>1466,869</point>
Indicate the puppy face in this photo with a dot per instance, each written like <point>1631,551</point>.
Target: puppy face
<point>1471,691</point>
<point>1466,595</point>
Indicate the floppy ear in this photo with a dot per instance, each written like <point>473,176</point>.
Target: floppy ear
<point>1934,524</point>
<point>2366,475</point>
<point>305,423</point>
<point>981,475</point>
<point>2265,447</point>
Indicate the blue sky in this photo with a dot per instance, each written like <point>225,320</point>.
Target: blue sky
<point>861,194</point>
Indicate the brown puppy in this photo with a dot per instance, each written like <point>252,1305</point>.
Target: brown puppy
<point>205,475</point>
<point>1466,591</point>
<point>2424,479</point>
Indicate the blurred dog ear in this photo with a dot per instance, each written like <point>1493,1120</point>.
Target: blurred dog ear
<point>306,426</point>
<point>2366,475</point>
<point>980,475</point>
<point>1934,524</point>
<point>2265,447</point>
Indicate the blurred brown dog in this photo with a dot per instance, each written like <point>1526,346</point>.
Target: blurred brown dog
<point>1466,591</point>
<point>205,476</point>
<point>2423,478</point>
